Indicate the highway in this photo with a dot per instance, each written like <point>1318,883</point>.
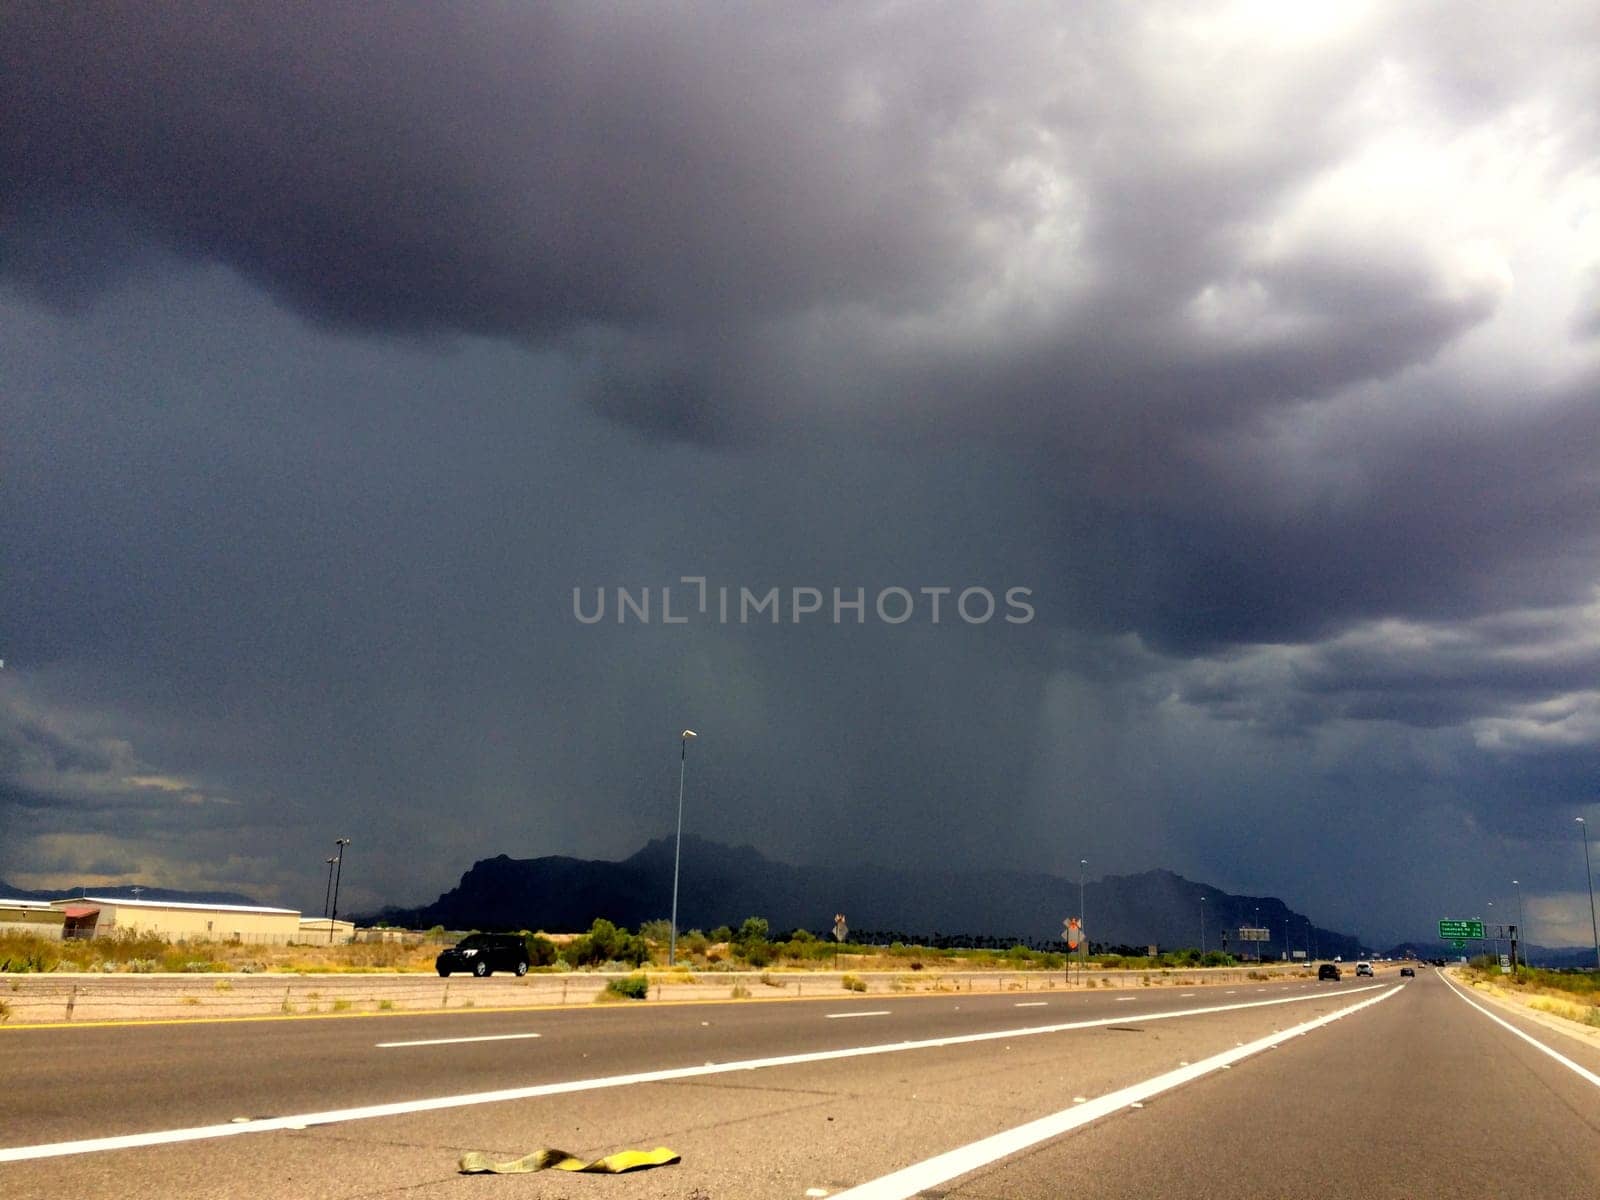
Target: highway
<point>1384,1087</point>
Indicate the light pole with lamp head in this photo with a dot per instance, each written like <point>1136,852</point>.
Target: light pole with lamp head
<point>327,892</point>
<point>1588,874</point>
<point>1202,930</point>
<point>1520,942</point>
<point>677,849</point>
<point>338,867</point>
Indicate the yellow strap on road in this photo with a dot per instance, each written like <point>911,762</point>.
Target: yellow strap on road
<point>476,1162</point>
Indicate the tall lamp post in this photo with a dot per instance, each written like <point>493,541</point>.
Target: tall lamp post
<point>1255,922</point>
<point>1202,927</point>
<point>327,892</point>
<point>1588,874</point>
<point>1520,943</point>
<point>338,875</point>
<point>1496,934</point>
<point>1083,864</point>
<point>677,849</point>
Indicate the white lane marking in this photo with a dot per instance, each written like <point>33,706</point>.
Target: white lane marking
<point>400,1108</point>
<point>1184,995</point>
<point>494,1037</point>
<point>1030,1004</point>
<point>919,1177</point>
<point>1582,1071</point>
<point>879,1012</point>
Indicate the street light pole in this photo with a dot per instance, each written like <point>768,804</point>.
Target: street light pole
<point>1083,921</point>
<point>1588,874</point>
<point>677,849</point>
<point>327,892</point>
<point>333,914</point>
<point>1202,929</point>
<point>1520,942</point>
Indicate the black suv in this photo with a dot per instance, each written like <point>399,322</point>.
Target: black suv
<point>484,954</point>
<point>1327,971</point>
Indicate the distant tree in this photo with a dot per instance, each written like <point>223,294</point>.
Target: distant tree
<point>752,932</point>
<point>722,934</point>
<point>658,931</point>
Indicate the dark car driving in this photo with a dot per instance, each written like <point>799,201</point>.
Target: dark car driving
<point>484,954</point>
<point>1327,971</point>
<point>1408,971</point>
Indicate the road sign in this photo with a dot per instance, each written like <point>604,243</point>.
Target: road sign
<point>1150,951</point>
<point>1505,964</point>
<point>1247,934</point>
<point>1459,944</point>
<point>1451,930</point>
<point>839,927</point>
<point>1299,954</point>
<point>1074,933</point>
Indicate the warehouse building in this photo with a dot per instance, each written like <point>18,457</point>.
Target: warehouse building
<point>30,916</point>
<point>97,916</point>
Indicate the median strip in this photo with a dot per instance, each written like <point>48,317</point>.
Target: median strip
<point>568,1087</point>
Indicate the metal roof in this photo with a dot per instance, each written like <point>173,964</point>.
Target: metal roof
<point>9,903</point>
<point>119,902</point>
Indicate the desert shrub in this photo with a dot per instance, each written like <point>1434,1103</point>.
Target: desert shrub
<point>541,950</point>
<point>740,992</point>
<point>658,931</point>
<point>853,983</point>
<point>694,942</point>
<point>757,954</point>
<point>605,942</point>
<point>630,987</point>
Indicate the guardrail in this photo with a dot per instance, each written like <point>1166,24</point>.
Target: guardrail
<point>64,997</point>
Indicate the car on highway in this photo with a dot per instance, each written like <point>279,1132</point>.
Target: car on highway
<point>1363,968</point>
<point>483,954</point>
<point>1328,971</point>
<point>1408,971</point>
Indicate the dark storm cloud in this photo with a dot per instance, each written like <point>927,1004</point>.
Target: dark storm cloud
<point>1030,215</point>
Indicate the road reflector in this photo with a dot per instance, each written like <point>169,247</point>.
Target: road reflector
<point>476,1162</point>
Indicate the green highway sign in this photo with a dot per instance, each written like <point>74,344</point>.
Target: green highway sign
<point>1455,930</point>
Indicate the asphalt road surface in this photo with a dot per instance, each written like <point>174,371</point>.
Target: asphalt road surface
<point>1383,1087</point>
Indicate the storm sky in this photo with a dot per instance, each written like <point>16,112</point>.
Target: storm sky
<point>340,343</point>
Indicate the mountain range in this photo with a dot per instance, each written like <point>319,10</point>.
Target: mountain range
<point>722,885</point>
<point>126,891</point>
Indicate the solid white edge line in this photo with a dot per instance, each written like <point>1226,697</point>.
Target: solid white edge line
<point>918,1177</point>
<point>531,1091</point>
<point>1583,1071</point>
<point>1031,1004</point>
<point>493,1037</point>
<point>877,1012</point>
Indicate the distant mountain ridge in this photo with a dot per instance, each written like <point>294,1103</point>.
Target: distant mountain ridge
<point>125,891</point>
<point>721,885</point>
